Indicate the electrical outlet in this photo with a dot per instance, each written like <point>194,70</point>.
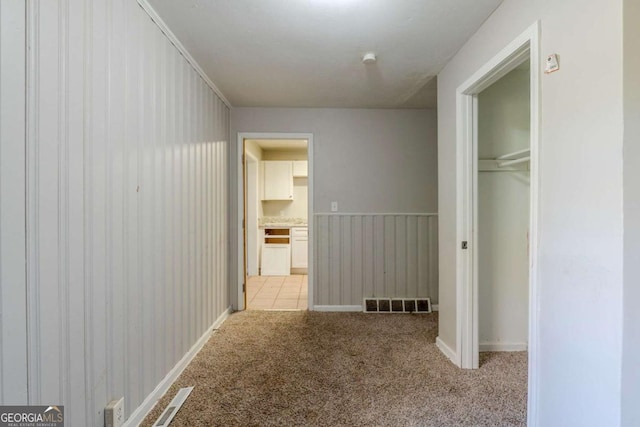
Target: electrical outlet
<point>114,413</point>
<point>334,206</point>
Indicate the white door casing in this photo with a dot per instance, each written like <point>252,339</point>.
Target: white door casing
<point>240,204</point>
<point>251,165</point>
<point>525,46</point>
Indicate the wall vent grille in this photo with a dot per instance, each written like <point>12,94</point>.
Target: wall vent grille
<point>397,305</point>
<point>174,406</point>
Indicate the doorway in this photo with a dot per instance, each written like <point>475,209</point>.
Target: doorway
<point>491,175</point>
<point>503,195</point>
<point>275,209</point>
<point>251,186</point>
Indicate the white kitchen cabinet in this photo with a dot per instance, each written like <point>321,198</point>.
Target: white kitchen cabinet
<point>278,180</point>
<point>276,252</point>
<point>299,247</point>
<point>300,169</point>
<point>276,260</point>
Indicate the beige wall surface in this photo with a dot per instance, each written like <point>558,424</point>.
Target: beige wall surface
<point>631,355</point>
<point>369,161</point>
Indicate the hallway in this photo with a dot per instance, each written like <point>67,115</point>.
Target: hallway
<point>310,368</point>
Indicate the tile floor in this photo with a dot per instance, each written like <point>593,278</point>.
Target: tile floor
<point>277,292</point>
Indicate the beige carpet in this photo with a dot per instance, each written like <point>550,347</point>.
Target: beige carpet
<point>343,369</point>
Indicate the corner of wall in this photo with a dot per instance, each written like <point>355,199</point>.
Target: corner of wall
<point>630,410</point>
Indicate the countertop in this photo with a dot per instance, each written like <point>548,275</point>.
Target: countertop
<point>282,222</point>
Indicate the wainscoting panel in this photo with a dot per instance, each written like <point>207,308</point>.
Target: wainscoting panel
<point>126,205</point>
<point>375,255</point>
<point>13,279</point>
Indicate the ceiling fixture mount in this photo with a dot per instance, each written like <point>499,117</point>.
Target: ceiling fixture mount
<point>369,58</point>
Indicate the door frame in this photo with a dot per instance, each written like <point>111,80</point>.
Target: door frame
<point>251,159</point>
<point>526,46</point>
<point>241,267</point>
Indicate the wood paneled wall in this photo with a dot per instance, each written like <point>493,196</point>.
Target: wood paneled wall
<point>374,255</point>
<point>13,281</point>
<point>126,205</point>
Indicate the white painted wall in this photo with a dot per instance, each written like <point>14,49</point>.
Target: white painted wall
<point>631,349</point>
<point>126,207</point>
<point>13,280</point>
<point>253,187</point>
<point>580,261</point>
<point>370,161</point>
<point>251,169</point>
<point>255,150</point>
<point>297,208</point>
<point>285,154</point>
<point>503,216</point>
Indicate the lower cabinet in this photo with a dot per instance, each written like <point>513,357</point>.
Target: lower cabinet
<point>276,252</point>
<point>299,247</point>
<point>282,249</point>
<point>276,260</point>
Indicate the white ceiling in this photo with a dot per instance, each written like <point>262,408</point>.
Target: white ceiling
<point>307,53</point>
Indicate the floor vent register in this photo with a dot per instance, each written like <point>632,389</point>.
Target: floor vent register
<point>397,305</point>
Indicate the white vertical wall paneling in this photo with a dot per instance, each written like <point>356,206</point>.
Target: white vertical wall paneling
<point>346,273</point>
<point>357,255</point>
<point>13,313</point>
<point>134,114</point>
<point>378,260</point>
<point>375,255</point>
<point>390,247</point>
<point>115,201</point>
<point>74,67</point>
<point>126,196</point>
<point>96,184</point>
<point>63,198</point>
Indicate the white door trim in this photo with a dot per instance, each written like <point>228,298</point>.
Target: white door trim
<point>252,230</point>
<point>240,242</point>
<point>527,45</point>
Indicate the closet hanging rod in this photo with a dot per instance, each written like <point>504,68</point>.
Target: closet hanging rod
<point>514,162</point>
<point>515,155</point>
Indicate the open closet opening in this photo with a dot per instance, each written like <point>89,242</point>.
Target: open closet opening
<point>276,212</point>
<point>503,212</point>
<point>498,143</point>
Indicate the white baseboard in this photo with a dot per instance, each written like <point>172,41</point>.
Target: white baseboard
<point>447,351</point>
<point>343,308</point>
<point>147,405</point>
<point>435,307</point>
<point>503,346</point>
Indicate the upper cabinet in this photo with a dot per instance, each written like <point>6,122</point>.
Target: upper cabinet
<point>278,180</point>
<point>300,169</point>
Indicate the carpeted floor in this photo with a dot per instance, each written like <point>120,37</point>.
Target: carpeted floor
<point>343,369</point>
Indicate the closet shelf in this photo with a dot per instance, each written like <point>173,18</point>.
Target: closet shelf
<point>506,162</point>
<point>513,162</point>
<point>515,155</point>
